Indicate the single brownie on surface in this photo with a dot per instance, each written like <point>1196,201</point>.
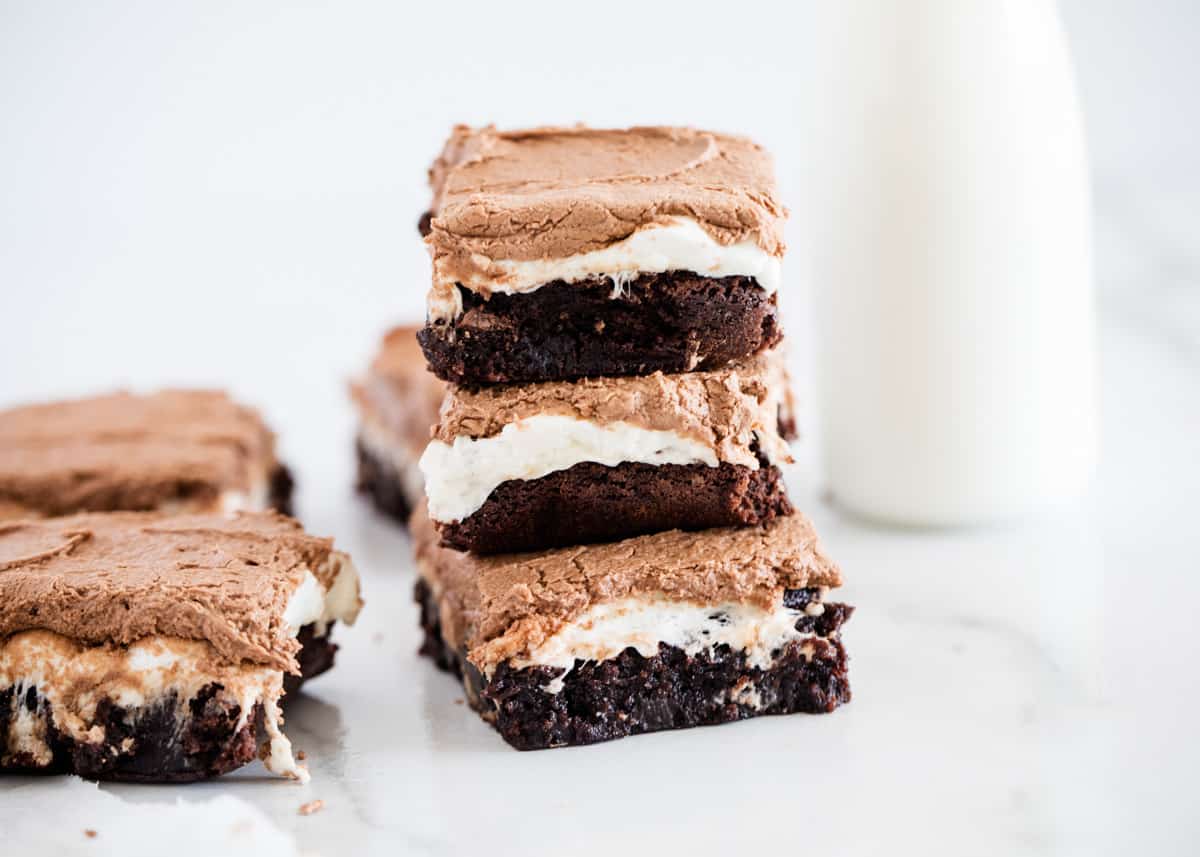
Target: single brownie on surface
<point>563,253</point>
<point>150,647</point>
<point>191,451</point>
<point>665,631</point>
<point>397,406</point>
<point>525,467</point>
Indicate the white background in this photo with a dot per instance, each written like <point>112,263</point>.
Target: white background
<point>226,194</point>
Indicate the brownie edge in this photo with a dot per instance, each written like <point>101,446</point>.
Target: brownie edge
<point>590,502</point>
<point>631,694</point>
<point>672,322</point>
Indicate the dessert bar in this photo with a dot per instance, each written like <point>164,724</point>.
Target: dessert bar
<point>397,405</point>
<point>664,631</point>
<point>175,450</point>
<point>156,648</point>
<point>524,467</point>
<point>563,253</point>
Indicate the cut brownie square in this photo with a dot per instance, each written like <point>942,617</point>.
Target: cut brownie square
<point>397,406</point>
<point>176,450</point>
<point>665,631</point>
<point>526,467</point>
<point>563,253</point>
<point>146,647</point>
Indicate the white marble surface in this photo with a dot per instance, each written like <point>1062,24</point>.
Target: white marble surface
<point>240,217</point>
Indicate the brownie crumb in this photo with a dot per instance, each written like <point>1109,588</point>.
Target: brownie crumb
<point>311,807</point>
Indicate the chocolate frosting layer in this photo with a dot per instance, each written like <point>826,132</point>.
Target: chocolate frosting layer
<point>547,193</point>
<point>499,607</point>
<point>129,452</point>
<point>120,576</point>
<point>400,394</point>
<point>727,409</point>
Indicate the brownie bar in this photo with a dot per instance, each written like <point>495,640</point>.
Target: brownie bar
<point>175,450</point>
<point>533,466</point>
<point>632,694</point>
<point>151,743</point>
<point>157,647</point>
<point>593,503</point>
<point>666,631</point>
<point>672,322</point>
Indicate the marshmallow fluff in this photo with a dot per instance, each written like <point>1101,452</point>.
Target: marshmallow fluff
<point>312,604</point>
<point>678,245</point>
<point>460,476</point>
<point>605,630</point>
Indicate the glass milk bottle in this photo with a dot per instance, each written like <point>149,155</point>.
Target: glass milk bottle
<point>948,227</point>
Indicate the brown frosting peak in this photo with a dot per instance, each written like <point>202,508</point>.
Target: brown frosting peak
<point>117,577</point>
<point>547,193</point>
<point>498,607</point>
<point>129,452</point>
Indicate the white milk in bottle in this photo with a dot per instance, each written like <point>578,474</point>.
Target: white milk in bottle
<point>948,215</point>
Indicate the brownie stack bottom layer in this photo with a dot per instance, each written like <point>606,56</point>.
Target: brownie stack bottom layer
<point>150,743</point>
<point>673,322</point>
<point>631,694</point>
<point>591,503</point>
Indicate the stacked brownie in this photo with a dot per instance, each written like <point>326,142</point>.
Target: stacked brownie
<point>607,546</point>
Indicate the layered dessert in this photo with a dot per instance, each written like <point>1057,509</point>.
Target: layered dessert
<point>397,404</point>
<point>177,450</point>
<point>531,466</point>
<point>156,648</point>
<point>563,253</point>
<point>663,631</point>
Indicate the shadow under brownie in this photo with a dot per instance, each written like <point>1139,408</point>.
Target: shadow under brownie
<point>665,631</point>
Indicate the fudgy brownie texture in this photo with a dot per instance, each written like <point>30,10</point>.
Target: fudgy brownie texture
<point>631,694</point>
<point>379,480</point>
<point>148,743</point>
<point>316,656</point>
<point>593,503</point>
<point>674,322</point>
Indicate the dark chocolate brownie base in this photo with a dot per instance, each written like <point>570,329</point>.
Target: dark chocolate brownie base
<point>631,694</point>
<point>316,656</point>
<point>379,480</point>
<point>674,322</point>
<point>282,486</point>
<point>593,503</point>
<point>149,744</point>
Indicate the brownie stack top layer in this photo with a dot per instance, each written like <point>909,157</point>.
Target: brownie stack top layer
<point>132,452</point>
<point>236,583</point>
<point>502,607</point>
<point>399,399</point>
<point>510,209</point>
<point>488,436</point>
